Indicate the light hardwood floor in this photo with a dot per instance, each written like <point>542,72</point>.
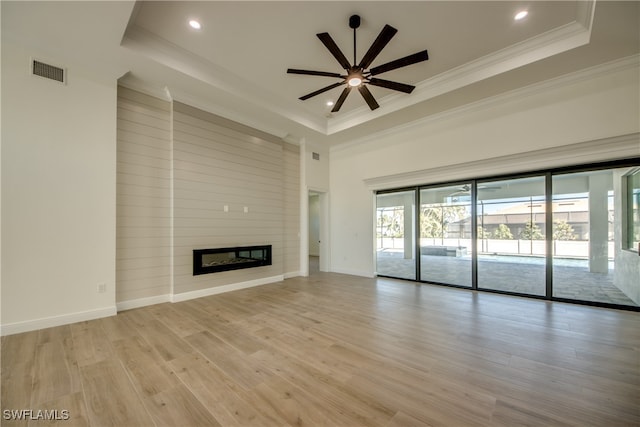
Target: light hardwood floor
<point>334,350</point>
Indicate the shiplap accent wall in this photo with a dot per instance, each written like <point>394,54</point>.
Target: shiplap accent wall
<point>219,163</point>
<point>178,167</point>
<point>291,214</point>
<point>143,199</point>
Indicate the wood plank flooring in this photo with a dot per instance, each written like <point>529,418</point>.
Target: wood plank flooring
<point>334,350</point>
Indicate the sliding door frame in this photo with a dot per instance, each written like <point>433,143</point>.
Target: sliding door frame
<point>548,175</point>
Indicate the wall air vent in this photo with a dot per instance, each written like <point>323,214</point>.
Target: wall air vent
<point>48,71</point>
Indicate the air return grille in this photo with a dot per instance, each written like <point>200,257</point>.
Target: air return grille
<point>47,71</point>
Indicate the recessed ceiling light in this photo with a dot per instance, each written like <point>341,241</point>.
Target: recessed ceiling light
<point>195,24</point>
<point>521,15</point>
<point>329,103</point>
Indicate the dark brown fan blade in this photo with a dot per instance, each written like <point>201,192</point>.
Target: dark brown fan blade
<point>326,39</point>
<point>384,37</point>
<point>368,97</point>
<point>341,99</point>
<point>318,92</point>
<point>313,73</point>
<point>398,63</point>
<point>401,87</point>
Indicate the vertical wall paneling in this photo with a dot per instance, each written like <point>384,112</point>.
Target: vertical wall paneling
<point>291,214</point>
<point>218,164</point>
<point>188,179</point>
<point>143,201</point>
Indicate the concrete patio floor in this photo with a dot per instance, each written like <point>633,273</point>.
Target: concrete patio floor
<point>571,278</point>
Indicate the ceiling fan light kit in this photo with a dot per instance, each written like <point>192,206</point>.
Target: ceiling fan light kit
<point>359,75</point>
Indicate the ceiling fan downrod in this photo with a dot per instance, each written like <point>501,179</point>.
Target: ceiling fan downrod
<point>354,22</point>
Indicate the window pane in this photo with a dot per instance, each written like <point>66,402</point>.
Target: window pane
<point>511,233</point>
<point>588,261</point>
<point>395,234</point>
<point>445,235</point>
<point>632,183</point>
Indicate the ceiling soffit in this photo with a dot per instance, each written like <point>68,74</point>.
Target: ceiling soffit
<point>259,93</point>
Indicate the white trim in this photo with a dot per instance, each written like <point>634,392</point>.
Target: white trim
<point>144,86</point>
<point>49,322</point>
<point>557,40</point>
<point>617,65</point>
<point>292,274</point>
<point>175,57</point>
<point>185,296</point>
<point>160,299</point>
<point>599,150</point>
<point>552,42</point>
<point>350,272</point>
<point>142,302</point>
<point>65,319</point>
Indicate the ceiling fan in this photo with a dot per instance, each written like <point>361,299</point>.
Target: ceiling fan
<point>359,75</point>
<point>466,189</point>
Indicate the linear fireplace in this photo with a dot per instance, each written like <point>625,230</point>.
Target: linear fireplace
<point>224,259</point>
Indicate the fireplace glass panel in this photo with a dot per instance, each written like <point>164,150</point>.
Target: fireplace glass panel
<point>223,259</point>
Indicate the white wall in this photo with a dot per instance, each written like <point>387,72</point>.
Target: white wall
<point>584,107</point>
<point>316,171</point>
<point>58,195</point>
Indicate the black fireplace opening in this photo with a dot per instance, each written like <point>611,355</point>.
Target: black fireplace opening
<point>224,259</point>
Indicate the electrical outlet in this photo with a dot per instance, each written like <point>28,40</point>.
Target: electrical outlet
<point>102,288</point>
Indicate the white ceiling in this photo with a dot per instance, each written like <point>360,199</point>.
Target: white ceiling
<point>236,64</point>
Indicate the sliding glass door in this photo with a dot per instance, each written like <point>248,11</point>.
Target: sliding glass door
<point>445,235</point>
<point>588,218</point>
<point>567,234</point>
<point>395,234</point>
<point>511,235</point>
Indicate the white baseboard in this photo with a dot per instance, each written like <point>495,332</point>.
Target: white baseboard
<point>225,288</point>
<point>360,273</point>
<point>49,322</point>
<point>291,274</point>
<point>142,302</point>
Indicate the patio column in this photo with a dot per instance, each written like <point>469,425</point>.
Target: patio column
<point>598,223</point>
<point>409,208</point>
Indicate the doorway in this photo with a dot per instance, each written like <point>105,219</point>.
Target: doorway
<point>318,211</point>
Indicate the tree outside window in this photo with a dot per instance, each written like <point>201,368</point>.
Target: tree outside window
<point>562,230</point>
<point>531,232</point>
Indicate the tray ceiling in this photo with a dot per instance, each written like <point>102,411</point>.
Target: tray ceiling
<point>235,65</point>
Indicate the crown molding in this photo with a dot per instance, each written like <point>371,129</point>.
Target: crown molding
<point>132,82</point>
<point>550,43</point>
<point>563,38</point>
<point>621,64</point>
